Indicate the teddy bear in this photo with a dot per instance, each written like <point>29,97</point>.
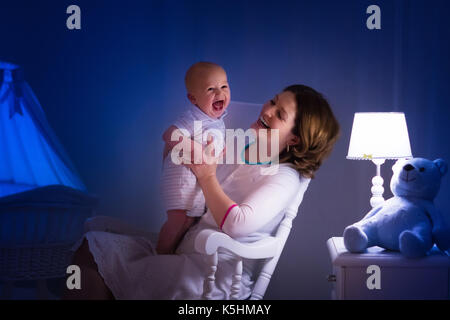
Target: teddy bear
<point>408,222</point>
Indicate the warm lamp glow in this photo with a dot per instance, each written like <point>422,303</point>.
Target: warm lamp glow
<point>378,136</point>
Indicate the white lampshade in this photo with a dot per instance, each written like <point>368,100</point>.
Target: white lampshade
<point>379,135</point>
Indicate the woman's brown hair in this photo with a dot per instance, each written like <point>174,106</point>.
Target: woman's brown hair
<point>317,128</point>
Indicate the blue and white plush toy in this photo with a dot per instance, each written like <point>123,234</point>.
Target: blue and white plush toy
<point>408,222</point>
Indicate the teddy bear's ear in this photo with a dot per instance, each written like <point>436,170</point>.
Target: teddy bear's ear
<point>442,166</point>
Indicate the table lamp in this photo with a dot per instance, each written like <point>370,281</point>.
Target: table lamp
<point>378,136</point>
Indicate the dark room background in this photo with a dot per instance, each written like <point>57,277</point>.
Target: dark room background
<point>110,89</point>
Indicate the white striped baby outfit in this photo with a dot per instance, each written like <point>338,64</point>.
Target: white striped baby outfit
<point>179,187</point>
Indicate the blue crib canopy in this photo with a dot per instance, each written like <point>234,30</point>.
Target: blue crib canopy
<point>30,154</point>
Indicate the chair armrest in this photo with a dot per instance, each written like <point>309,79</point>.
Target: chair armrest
<point>209,240</point>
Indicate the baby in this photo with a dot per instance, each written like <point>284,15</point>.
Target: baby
<point>209,93</point>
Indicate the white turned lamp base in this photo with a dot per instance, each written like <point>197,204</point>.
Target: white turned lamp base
<point>377,185</point>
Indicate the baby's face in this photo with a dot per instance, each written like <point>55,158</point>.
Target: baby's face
<point>211,92</point>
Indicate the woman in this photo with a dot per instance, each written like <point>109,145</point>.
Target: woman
<point>241,201</point>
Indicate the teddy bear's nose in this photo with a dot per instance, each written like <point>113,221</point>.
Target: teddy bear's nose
<point>408,167</point>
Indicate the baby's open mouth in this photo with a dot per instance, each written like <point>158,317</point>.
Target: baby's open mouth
<point>218,105</point>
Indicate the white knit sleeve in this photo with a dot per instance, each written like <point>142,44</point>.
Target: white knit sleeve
<point>266,200</point>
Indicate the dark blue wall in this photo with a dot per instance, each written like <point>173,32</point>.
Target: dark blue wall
<point>110,89</point>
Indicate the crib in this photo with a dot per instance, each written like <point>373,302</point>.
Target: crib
<point>43,202</point>
<point>38,227</point>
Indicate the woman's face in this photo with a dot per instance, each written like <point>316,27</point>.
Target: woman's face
<point>279,113</point>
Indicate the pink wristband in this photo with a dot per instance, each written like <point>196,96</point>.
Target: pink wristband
<point>226,215</point>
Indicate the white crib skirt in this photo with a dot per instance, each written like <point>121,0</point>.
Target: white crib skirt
<point>132,270</point>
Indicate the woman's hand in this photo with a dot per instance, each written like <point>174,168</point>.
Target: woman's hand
<point>207,167</point>
<point>205,171</point>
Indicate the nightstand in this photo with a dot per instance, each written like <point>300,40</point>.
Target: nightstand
<point>382,274</point>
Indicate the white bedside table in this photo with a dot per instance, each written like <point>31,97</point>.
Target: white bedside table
<point>397,277</point>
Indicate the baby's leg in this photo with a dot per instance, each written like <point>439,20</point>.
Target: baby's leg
<point>173,231</point>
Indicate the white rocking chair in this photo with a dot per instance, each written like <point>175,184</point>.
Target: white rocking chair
<point>208,242</point>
